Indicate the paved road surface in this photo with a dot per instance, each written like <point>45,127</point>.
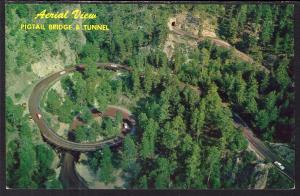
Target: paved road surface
<point>220,43</point>
<point>50,135</point>
<point>53,138</point>
<point>262,149</point>
<point>256,144</point>
<point>68,174</point>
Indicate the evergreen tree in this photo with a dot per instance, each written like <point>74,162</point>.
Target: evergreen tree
<point>53,102</point>
<point>129,154</point>
<point>105,171</point>
<point>148,140</point>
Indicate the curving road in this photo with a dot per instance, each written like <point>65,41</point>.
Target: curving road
<point>255,143</point>
<point>68,174</point>
<point>259,147</point>
<point>53,138</point>
<point>48,133</point>
<point>263,150</point>
<point>220,43</point>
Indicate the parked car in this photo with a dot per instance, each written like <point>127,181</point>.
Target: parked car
<point>279,165</point>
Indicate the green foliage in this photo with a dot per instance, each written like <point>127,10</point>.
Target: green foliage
<point>135,78</point>
<point>13,114</point>
<point>119,118</point>
<point>28,164</point>
<point>198,119</point>
<point>11,162</point>
<point>148,141</point>
<point>91,77</point>
<point>106,168</point>
<point>65,113</point>
<point>194,177</point>
<point>80,89</point>
<point>276,180</point>
<point>53,102</point>
<point>110,127</point>
<point>213,161</point>
<point>18,96</point>
<point>86,115</point>
<point>143,183</point>
<point>22,11</point>
<point>183,140</point>
<point>129,154</point>
<point>91,52</point>
<point>53,183</point>
<point>162,174</point>
<point>44,156</point>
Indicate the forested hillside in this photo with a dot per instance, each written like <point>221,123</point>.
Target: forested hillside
<point>184,105</point>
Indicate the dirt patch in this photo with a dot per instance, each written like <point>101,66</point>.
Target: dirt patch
<point>173,41</point>
<point>261,175</point>
<point>169,46</point>
<point>57,86</point>
<point>114,109</point>
<point>208,28</point>
<point>22,84</point>
<point>206,33</point>
<point>61,131</point>
<point>46,66</point>
<point>188,23</point>
<point>49,64</point>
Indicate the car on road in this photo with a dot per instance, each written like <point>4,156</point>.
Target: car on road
<point>279,165</point>
<point>38,115</point>
<point>114,65</point>
<point>62,72</point>
<point>126,126</point>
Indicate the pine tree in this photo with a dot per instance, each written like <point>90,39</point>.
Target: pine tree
<point>53,102</point>
<point>162,173</point>
<point>105,171</point>
<point>148,140</point>
<point>129,154</point>
<point>193,173</point>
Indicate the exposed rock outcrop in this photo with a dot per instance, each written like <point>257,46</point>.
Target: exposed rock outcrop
<point>260,175</point>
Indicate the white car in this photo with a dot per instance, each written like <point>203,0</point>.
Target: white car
<point>62,72</point>
<point>39,115</point>
<point>114,65</point>
<point>126,126</point>
<point>279,165</point>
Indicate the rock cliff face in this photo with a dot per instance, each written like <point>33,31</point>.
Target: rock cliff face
<point>64,55</point>
<point>61,53</point>
<point>194,24</point>
<point>260,175</point>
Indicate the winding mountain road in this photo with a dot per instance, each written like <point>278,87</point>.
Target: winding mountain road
<point>50,135</point>
<point>220,43</point>
<point>259,147</point>
<point>53,138</point>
